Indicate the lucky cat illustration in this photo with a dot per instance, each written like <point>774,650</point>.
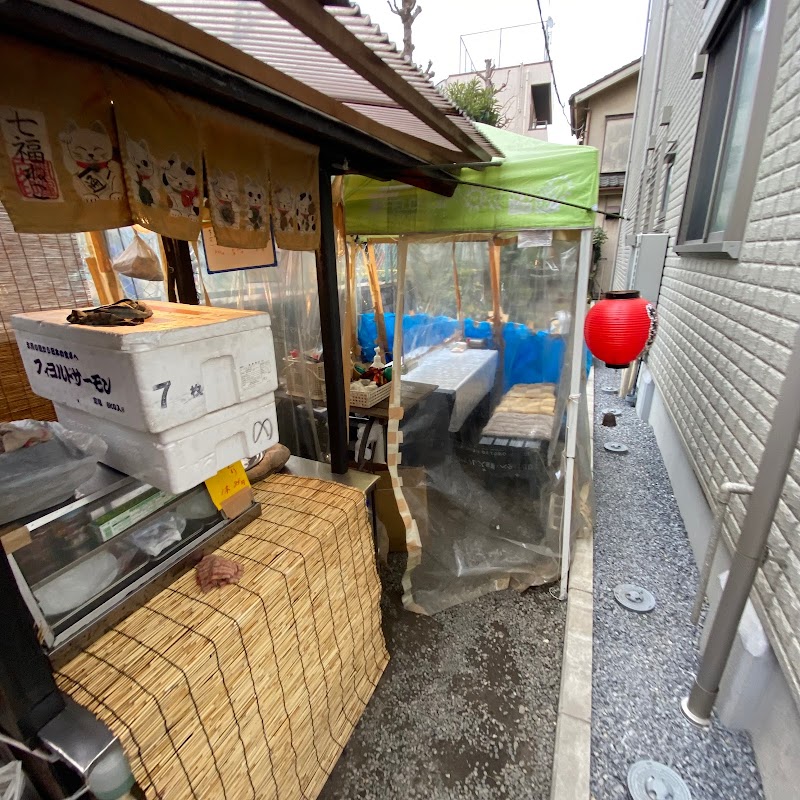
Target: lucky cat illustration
<point>142,171</point>
<point>284,206</point>
<point>180,180</point>
<point>255,197</point>
<point>306,213</point>
<point>225,196</point>
<point>89,158</point>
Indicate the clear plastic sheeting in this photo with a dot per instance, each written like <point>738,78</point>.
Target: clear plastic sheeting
<point>482,460</point>
<point>288,292</point>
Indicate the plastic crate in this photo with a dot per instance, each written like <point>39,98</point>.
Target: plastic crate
<point>304,378</point>
<point>366,398</point>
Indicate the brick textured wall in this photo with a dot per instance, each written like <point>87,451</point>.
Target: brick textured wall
<point>726,327</point>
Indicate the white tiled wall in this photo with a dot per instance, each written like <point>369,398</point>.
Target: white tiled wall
<point>726,326</point>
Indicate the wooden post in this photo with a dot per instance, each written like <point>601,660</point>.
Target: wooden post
<point>330,326</point>
<point>377,299</point>
<point>99,265</point>
<point>179,270</point>
<point>497,312</point>
<point>459,312</point>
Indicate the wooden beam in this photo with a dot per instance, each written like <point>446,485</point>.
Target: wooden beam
<point>103,275</point>
<point>170,29</point>
<point>316,23</point>
<point>377,298</point>
<point>351,319</point>
<point>330,327</point>
<point>497,314</point>
<point>179,266</point>
<point>459,312</point>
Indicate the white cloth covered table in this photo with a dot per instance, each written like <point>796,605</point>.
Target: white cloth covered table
<point>468,376</point>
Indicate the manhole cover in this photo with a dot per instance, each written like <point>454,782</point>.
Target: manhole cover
<point>611,389</point>
<point>615,411</point>
<point>649,780</point>
<point>615,447</point>
<point>634,598</point>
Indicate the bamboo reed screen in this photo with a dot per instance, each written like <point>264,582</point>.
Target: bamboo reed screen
<point>249,691</point>
<point>36,273</point>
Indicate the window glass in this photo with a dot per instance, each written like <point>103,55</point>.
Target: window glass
<point>616,144</point>
<point>736,140</point>
<point>715,104</point>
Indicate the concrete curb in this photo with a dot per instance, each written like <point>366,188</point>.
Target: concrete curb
<point>573,748</point>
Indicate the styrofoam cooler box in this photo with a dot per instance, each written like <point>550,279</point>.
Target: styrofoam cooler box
<point>179,365</point>
<point>186,455</point>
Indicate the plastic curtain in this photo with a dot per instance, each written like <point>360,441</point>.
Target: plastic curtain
<point>480,462</point>
<point>288,292</point>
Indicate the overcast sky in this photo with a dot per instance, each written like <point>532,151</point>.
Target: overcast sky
<point>590,37</point>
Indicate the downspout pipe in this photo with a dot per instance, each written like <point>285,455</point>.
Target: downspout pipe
<point>775,462</point>
<point>724,496</point>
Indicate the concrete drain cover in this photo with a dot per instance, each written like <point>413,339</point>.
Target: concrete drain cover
<point>615,411</point>
<point>615,447</point>
<point>649,780</point>
<point>611,389</point>
<point>634,598</point>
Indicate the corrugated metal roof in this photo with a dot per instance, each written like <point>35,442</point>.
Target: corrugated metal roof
<point>253,28</point>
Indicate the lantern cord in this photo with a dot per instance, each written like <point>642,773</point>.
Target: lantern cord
<point>594,209</point>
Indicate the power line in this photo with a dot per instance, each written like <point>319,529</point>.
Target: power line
<point>553,72</point>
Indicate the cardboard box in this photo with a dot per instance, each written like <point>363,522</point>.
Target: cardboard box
<point>416,495</point>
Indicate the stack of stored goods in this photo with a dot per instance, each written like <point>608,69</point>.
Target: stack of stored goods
<point>176,398</point>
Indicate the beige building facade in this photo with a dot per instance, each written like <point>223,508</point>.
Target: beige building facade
<point>714,176</point>
<point>525,95</point>
<point>601,115</point>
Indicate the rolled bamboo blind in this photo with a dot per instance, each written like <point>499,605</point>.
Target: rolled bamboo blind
<point>252,690</point>
<point>37,272</point>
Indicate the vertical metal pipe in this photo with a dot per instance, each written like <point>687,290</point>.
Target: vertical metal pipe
<point>725,492</point>
<point>575,382</point>
<point>775,462</point>
<point>330,326</point>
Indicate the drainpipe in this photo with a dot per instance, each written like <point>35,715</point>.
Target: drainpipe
<point>637,217</point>
<point>750,548</point>
<point>724,497</point>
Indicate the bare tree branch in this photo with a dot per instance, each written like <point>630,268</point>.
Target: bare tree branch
<point>408,11</point>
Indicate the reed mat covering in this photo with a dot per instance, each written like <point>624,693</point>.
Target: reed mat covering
<point>251,690</point>
<point>36,273</point>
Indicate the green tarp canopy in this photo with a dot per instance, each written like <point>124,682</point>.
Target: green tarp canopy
<point>554,171</point>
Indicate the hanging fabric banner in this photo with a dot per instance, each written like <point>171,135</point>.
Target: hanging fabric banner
<point>161,155</point>
<point>60,168</point>
<point>237,178</point>
<point>294,168</point>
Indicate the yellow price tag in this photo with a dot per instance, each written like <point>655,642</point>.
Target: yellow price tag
<point>226,483</point>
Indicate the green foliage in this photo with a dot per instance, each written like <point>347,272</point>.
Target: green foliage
<point>599,237</point>
<point>477,101</point>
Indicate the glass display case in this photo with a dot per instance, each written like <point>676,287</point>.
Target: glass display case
<point>83,566</point>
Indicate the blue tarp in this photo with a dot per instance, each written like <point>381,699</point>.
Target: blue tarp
<point>530,357</point>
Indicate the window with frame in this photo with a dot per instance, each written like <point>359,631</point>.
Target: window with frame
<point>541,106</point>
<point>616,143</point>
<point>740,77</point>
<point>666,188</point>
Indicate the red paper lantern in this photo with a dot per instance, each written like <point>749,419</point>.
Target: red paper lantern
<point>619,328</point>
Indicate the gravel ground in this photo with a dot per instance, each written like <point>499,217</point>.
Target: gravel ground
<point>466,709</point>
<point>645,663</point>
